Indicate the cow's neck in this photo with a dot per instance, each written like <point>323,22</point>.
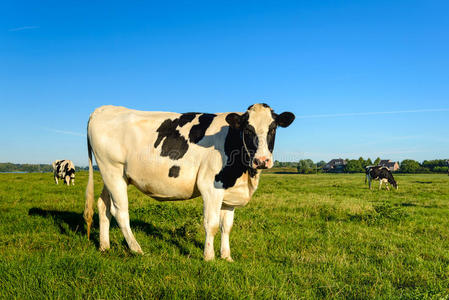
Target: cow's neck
<point>235,166</point>
<point>253,182</point>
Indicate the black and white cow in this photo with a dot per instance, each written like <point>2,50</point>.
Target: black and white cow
<point>383,174</point>
<point>64,169</point>
<point>172,156</point>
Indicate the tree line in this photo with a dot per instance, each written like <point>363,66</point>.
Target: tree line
<point>34,168</point>
<point>307,166</point>
<point>304,166</point>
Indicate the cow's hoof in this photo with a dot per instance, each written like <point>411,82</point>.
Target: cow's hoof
<point>228,259</point>
<point>138,252</point>
<point>104,249</point>
<point>209,257</point>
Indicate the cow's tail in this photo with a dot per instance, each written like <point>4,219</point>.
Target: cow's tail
<point>89,209</point>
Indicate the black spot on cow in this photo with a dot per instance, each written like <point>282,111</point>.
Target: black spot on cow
<point>237,160</point>
<point>198,131</point>
<point>174,145</point>
<point>174,171</point>
<point>58,167</point>
<point>271,136</point>
<point>70,171</point>
<point>186,118</point>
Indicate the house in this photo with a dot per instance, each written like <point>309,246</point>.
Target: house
<point>335,166</point>
<point>391,165</point>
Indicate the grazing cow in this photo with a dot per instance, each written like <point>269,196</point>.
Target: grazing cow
<point>64,169</point>
<point>172,156</point>
<point>383,174</point>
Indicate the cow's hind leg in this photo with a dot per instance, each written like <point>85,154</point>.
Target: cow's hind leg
<point>104,212</point>
<point>226,221</point>
<point>56,179</point>
<point>117,187</point>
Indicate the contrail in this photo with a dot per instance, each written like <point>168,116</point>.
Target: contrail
<point>372,113</point>
<point>65,132</point>
<point>23,28</point>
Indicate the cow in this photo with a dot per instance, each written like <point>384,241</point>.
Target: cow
<point>383,174</point>
<point>64,169</point>
<point>173,156</point>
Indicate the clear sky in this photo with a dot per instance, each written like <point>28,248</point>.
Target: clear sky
<point>364,78</point>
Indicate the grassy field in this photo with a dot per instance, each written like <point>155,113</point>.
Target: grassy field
<point>301,236</point>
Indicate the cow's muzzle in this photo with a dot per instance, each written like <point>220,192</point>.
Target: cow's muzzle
<point>261,163</point>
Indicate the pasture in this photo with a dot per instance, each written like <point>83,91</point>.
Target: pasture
<point>301,236</point>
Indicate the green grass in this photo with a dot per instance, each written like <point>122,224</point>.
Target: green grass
<point>301,236</point>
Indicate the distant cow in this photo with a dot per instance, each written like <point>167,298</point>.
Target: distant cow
<point>64,169</point>
<point>172,156</point>
<point>383,174</point>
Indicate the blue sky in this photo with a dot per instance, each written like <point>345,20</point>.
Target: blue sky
<point>363,78</point>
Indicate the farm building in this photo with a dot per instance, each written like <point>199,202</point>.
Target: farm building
<point>391,165</point>
<point>335,166</point>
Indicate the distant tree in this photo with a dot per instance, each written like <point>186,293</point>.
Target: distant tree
<point>354,166</point>
<point>306,166</point>
<point>364,163</point>
<point>361,160</point>
<point>434,165</point>
<point>440,169</point>
<point>321,163</point>
<point>409,166</point>
<point>376,161</point>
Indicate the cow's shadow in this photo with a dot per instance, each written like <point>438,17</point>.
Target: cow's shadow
<point>74,221</point>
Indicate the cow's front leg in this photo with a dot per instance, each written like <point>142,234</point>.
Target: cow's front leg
<point>212,204</point>
<point>226,221</point>
<point>380,184</point>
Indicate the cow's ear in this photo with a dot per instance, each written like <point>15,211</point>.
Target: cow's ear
<point>234,120</point>
<point>285,119</point>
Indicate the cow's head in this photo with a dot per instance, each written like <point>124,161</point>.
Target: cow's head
<point>257,127</point>
<point>393,182</point>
